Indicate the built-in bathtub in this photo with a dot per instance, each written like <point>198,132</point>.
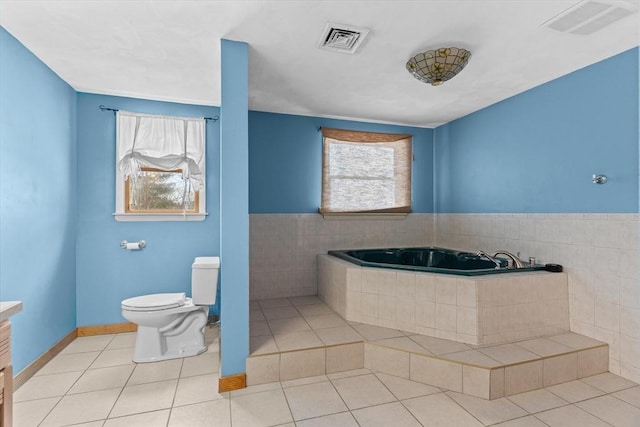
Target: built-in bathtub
<point>475,309</point>
<point>429,259</point>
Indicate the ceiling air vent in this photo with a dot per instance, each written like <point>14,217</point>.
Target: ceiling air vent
<point>589,16</point>
<point>342,38</point>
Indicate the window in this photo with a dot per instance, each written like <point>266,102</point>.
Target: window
<point>158,191</point>
<point>365,172</point>
<point>160,168</point>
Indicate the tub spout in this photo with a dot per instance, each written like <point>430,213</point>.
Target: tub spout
<point>490,258</point>
<point>514,260</point>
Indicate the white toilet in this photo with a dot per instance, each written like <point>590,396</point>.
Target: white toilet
<point>172,325</point>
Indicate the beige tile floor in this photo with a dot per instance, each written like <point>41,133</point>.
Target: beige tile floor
<point>93,382</point>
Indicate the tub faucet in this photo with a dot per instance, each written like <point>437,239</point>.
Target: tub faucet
<point>514,260</point>
<point>490,258</point>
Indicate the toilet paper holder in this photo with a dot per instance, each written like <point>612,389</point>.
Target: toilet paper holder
<point>134,245</point>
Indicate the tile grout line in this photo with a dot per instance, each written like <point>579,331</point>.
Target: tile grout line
<point>273,337</point>
<point>465,409</point>
<point>175,393</point>
<point>578,408</point>
<point>574,403</point>
<point>284,394</point>
<point>119,394</point>
<point>307,323</point>
<point>66,393</point>
<point>342,399</point>
<point>608,394</point>
<point>518,418</point>
<point>396,397</point>
<point>230,415</point>
<point>51,410</point>
<point>534,416</point>
<point>537,412</point>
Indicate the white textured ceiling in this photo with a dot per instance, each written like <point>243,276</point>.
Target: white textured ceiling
<point>170,50</point>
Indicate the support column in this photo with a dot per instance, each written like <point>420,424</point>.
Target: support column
<point>234,215</point>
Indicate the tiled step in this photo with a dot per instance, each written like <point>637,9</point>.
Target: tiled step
<point>489,372</point>
<point>494,371</point>
<point>309,362</point>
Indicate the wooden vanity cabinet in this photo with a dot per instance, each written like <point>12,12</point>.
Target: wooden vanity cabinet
<point>6,375</point>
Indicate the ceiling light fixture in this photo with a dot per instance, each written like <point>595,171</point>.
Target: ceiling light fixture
<point>437,66</point>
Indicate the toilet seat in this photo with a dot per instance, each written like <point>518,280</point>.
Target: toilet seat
<point>154,302</point>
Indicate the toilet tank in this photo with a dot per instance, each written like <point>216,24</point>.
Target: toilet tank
<point>204,280</point>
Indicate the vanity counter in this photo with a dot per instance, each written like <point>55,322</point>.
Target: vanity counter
<point>9,308</point>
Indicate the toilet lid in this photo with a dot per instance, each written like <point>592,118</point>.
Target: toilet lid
<point>155,301</point>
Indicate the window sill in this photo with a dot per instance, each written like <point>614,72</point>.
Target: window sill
<point>146,217</point>
<point>364,216</point>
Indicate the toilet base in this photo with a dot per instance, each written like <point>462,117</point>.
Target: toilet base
<point>171,354</point>
<point>184,337</point>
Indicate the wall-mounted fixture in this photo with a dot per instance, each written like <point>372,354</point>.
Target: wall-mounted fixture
<point>599,179</point>
<point>133,246</point>
<point>437,66</point>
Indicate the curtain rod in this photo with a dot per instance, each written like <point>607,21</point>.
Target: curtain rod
<point>115,110</point>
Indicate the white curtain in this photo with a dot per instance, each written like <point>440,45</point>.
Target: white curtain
<point>166,143</point>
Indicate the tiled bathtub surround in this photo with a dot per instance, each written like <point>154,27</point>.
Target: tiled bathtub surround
<point>475,310</point>
<point>600,254</point>
<point>283,247</point>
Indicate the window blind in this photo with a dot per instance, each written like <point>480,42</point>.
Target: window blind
<point>364,172</point>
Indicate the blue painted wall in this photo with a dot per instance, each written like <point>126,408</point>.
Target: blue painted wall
<point>234,204</point>
<point>285,161</point>
<point>106,273</point>
<point>536,152</point>
<point>37,200</point>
